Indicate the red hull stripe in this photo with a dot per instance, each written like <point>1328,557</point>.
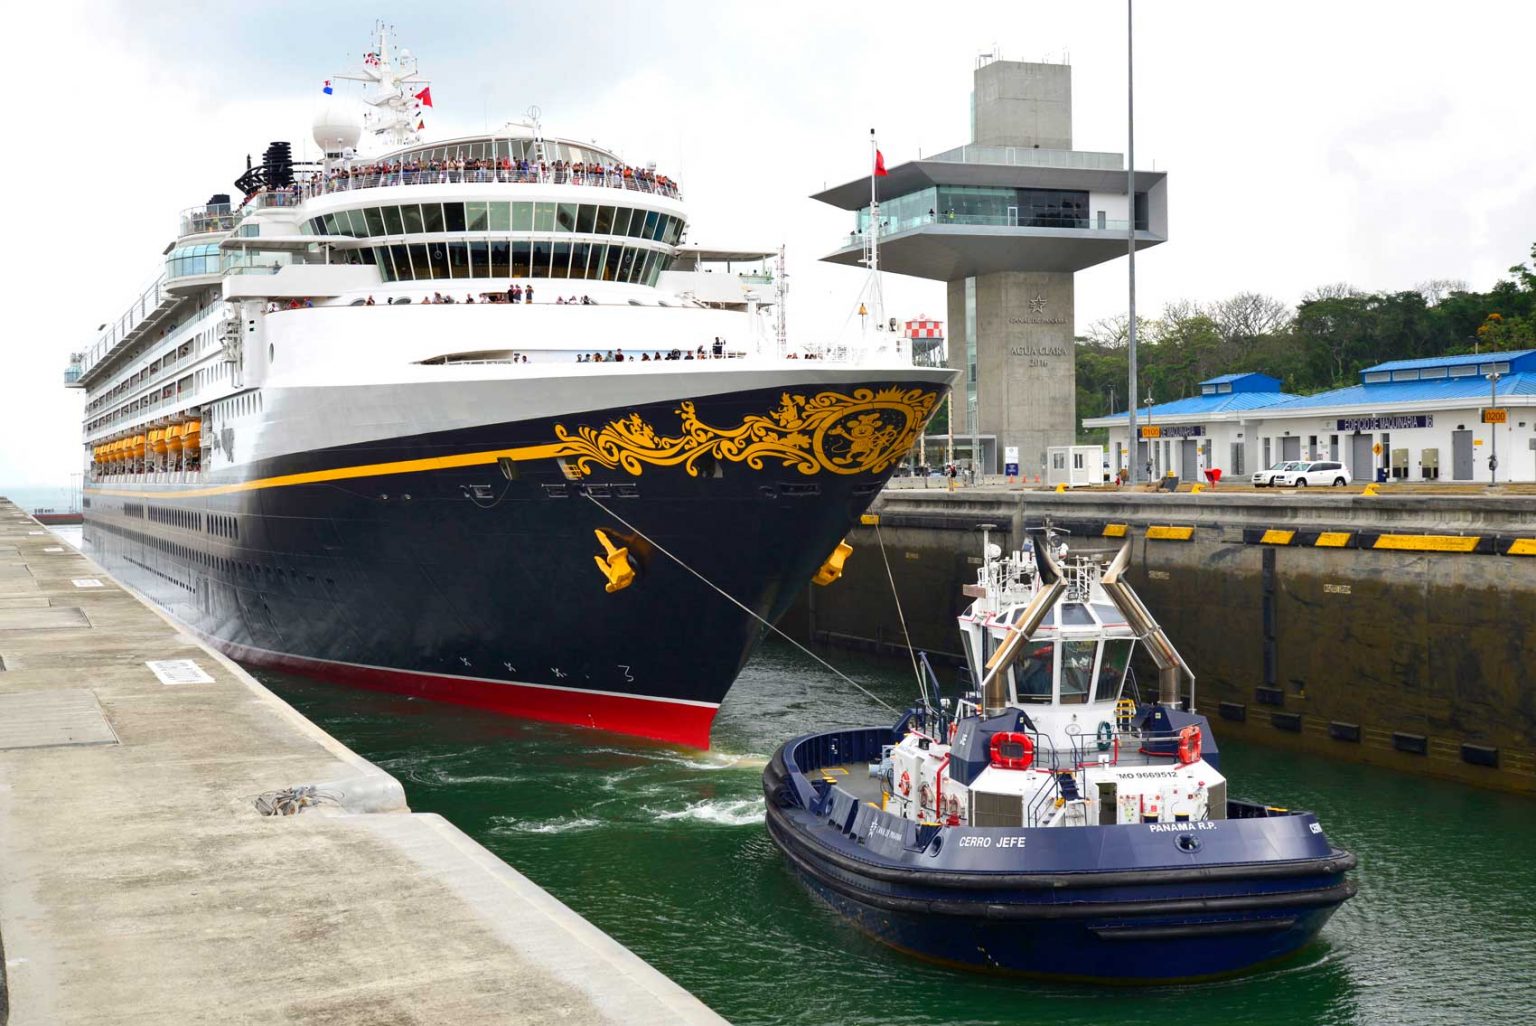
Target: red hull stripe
<point>684,723</point>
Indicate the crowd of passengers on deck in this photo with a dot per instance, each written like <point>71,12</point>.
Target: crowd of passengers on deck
<point>435,172</point>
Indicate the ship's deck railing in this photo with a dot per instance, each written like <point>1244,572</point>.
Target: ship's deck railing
<point>467,176</point>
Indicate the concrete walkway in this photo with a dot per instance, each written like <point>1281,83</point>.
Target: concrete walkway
<point>140,884</point>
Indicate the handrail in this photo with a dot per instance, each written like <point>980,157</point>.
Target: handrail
<point>347,182</point>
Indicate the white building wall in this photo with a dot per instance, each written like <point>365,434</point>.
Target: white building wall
<point>1266,441</point>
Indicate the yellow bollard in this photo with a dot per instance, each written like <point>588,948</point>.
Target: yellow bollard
<point>1372,489</point>
<point>1061,488</point>
<point>1196,489</point>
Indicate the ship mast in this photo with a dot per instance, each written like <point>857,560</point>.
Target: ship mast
<point>388,77</point>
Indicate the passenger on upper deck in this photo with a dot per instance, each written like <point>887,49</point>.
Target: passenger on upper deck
<point>417,172</point>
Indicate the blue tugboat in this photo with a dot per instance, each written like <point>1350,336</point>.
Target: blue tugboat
<point>1051,823</point>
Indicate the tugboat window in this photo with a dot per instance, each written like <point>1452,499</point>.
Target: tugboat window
<point>1034,673</point>
<point>1077,670</point>
<point>1117,655</point>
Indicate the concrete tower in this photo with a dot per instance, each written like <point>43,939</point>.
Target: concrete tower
<point>1006,221</point>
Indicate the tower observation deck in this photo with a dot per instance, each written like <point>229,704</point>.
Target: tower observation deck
<point>1006,221</point>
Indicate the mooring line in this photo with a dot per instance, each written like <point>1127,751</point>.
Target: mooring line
<point>922,685</point>
<point>732,599</point>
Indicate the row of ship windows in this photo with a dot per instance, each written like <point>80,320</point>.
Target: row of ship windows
<point>192,346</point>
<point>172,393</point>
<point>192,520</point>
<point>482,216</point>
<point>440,261</point>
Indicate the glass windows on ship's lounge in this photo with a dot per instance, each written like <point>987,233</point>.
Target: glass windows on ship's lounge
<point>541,257</point>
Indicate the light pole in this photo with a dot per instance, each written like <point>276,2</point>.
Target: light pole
<point>1149,402</point>
<point>1493,428</point>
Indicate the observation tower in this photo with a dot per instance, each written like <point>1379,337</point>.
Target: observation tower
<point>1006,221</point>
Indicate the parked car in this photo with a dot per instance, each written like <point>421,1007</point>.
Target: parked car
<point>1314,472</point>
<point>1266,478</point>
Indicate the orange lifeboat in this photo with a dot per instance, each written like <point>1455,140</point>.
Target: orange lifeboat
<point>157,440</point>
<point>173,439</point>
<point>136,446</point>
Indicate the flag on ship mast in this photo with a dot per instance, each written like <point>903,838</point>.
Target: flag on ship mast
<point>328,90</point>
<point>425,96</point>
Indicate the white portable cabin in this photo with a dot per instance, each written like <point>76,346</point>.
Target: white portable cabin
<point>1074,465</point>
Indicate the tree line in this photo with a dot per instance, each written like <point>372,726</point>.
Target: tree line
<point>1323,343</point>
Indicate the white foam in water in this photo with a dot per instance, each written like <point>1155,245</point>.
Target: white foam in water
<point>720,811</point>
<point>508,825</point>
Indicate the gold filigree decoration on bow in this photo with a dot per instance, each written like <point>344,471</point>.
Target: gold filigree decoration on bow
<point>862,433</point>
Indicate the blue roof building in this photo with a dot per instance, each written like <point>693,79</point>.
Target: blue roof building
<point>1420,419</point>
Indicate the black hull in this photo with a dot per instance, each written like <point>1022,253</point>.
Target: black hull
<point>476,583</point>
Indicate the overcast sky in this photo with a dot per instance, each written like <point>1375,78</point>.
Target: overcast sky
<point>1376,143</point>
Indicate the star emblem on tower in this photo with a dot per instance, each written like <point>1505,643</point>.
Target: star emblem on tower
<point>1037,305</point>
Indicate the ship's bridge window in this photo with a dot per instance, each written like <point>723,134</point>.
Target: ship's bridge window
<point>1112,665</point>
<point>1033,672</point>
<point>1077,670</point>
<point>186,261</point>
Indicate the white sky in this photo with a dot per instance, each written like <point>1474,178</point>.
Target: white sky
<point>1379,143</point>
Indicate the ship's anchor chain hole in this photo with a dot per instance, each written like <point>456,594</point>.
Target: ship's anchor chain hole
<point>1188,843</point>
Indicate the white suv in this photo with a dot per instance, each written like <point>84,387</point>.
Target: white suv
<point>1262,478</point>
<point>1316,472</point>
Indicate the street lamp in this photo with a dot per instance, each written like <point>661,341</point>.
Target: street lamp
<point>1493,428</point>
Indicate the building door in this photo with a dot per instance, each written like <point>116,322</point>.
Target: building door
<point>1333,447</point>
<point>1360,457</point>
<point>1461,455</point>
<point>1013,217</point>
<point>1142,457</point>
<point>1290,448</point>
<point>1189,460</point>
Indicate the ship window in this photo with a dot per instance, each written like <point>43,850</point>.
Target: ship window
<point>411,215</point>
<point>522,217</point>
<point>437,255</point>
<point>626,264</point>
<point>476,217</point>
<point>1033,672</point>
<point>386,268</point>
<point>421,267</point>
<point>674,231</point>
<point>520,260</point>
<point>579,254</point>
<point>479,266</point>
<point>401,257</point>
<point>560,262</point>
<point>655,225</point>
<point>543,217</point>
<point>637,224</point>
<point>565,217</point>
<point>499,260</point>
<point>499,217</point>
<point>431,217</point>
<point>1112,664</point>
<point>586,217</point>
<point>458,259</point>
<point>328,224</point>
<point>644,276</point>
<point>375,220</point>
<point>604,222</point>
<point>453,217</point>
<point>392,225</point>
<point>610,262</point>
<point>1076,670</point>
<point>620,221</point>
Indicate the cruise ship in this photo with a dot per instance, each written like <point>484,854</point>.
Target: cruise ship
<point>471,420</point>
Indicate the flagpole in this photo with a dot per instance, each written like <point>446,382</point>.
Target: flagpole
<point>1132,449</point>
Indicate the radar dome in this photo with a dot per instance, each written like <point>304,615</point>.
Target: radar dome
<point>338,125</point>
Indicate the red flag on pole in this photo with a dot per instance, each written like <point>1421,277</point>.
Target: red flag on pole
<point>879,163</point>
<point>425,96</point>
<point>420,125</point>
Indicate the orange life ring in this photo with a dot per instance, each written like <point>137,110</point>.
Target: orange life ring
<point>905,785</point>
<point>1013,751</point>
<point>1189,745</point>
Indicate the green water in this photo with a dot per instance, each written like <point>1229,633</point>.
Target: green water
<point>665,850</point>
